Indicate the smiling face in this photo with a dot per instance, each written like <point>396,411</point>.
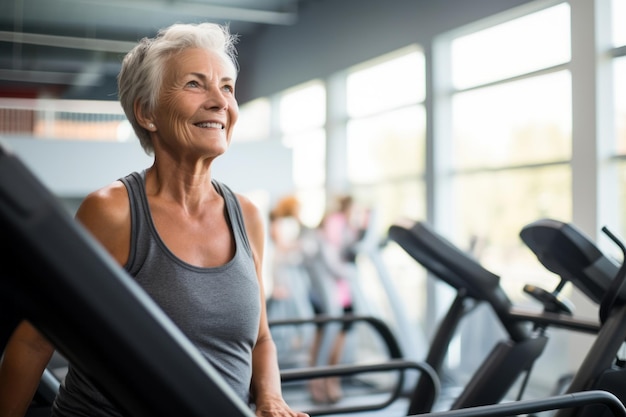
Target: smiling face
<point>196,110</point>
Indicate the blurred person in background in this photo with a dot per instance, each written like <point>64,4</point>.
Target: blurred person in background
<point>285,228</point>
<point>290,284</point>
<point>339,233</point>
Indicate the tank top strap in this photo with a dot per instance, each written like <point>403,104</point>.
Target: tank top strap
<point>134,183</point>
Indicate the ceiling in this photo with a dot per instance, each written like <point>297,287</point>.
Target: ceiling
<point>72,48</point>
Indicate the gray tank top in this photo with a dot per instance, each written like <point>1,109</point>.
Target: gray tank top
<point>218,308</point>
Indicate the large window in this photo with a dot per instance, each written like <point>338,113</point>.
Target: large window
<point>520,46</point>
<point>619,28</point>
<point>508,147</point>
<point>254,121</point>
<point>511,138</point>
<point>619,103</point>
<point>302,116</point>
<point>386,133</point>
<point>511,151</point>
<point>386,163</point>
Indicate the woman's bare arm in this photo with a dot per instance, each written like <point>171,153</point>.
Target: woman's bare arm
<point>25,358</point>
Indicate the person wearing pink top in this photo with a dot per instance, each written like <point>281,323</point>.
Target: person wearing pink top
<point>338,235</point>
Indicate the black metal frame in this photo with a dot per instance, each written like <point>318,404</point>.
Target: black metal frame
<point>559,402</point>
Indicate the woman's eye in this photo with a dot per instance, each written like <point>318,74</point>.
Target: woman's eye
<point>193,84</point>
<point>229,88</point>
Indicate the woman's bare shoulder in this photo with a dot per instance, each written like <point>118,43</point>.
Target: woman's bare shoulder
<point>106,214</point>
<point>251,213</point>
<point>108,203</point>
<point>253,220</point>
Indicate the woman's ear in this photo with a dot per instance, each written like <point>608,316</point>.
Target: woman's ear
<point>144,120</point>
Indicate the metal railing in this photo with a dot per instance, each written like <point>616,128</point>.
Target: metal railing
<point>64,119</point>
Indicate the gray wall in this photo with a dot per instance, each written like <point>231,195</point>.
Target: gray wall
<point>332,35</point>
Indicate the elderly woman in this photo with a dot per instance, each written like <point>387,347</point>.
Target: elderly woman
<point>194,245</point>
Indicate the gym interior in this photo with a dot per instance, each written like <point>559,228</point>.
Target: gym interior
<point>479,135</point>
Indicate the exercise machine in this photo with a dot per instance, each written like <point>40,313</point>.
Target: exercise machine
<point>511,358</point>
<point>565,250</point>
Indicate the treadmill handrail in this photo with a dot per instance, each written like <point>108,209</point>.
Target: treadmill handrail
<point>399,365</point>
<point>383,330</point>
<point>577,399</point>
<point>395,362</point>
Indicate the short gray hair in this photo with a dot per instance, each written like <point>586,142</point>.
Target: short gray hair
<point>142,70</point>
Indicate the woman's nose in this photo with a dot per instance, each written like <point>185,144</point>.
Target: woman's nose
<point>215,99</point>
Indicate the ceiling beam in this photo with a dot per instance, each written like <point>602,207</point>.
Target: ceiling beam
<point>90,44</point>
<point>51,77</point>
<point>209,11</point>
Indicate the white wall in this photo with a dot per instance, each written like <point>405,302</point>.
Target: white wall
<point>74,168</point>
